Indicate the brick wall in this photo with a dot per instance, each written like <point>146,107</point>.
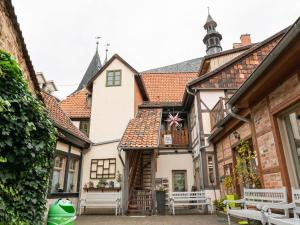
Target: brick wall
<point>10,41</point>
<point>265,134</point>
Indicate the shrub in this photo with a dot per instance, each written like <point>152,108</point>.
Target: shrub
<point>27,146</point>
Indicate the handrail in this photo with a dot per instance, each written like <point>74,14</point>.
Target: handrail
<point>179,137</point>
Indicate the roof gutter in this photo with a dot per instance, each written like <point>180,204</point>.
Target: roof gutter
<point>285,41</point>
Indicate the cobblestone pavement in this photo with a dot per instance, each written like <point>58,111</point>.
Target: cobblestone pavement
<point>151,220</point>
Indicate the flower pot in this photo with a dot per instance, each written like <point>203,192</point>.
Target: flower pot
<point>161,200</point>
<point>231,197</point>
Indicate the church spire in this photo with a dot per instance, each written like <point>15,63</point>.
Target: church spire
<point>212,38</point>
<point>94,66</point>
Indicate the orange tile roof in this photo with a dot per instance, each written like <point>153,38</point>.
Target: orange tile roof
<point>60,118</point>
<point>143,130</point>
<point>76,106</point>
<point>166,87</point>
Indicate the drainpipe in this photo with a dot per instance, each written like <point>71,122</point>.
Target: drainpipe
<point>120,156</point>
<point>201,164</point>
<point>190,92</point>
<point>233,114</point>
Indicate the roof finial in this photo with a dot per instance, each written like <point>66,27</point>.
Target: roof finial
<point>208,10</point>
<point>97,43</point>
<point>106,50</point>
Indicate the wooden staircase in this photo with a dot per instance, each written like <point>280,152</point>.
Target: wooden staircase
<point>140,181</point>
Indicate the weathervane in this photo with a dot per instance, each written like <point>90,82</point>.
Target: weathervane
<point>97,43</point>
<point>106,50</point>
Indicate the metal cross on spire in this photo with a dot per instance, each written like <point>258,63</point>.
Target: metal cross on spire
<point>106,50</point>
<point>97,43</point>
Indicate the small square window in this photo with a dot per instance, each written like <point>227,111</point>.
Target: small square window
<point>113,78</point>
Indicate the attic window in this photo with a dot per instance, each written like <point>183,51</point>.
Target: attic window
<point>113,78</point>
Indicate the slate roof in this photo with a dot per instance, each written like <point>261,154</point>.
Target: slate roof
<point>191,65</point>
<point>143,131</point>
<point>60,118</point>
<point>76,105</point>
<point>93,68</point>
<point>166,87</point>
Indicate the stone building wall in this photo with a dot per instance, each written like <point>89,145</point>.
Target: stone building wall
<point>11,41</point>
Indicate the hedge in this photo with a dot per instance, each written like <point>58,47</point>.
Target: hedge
<point>27,146</point>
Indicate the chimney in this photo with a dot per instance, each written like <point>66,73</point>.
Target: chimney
<point>245,40</point>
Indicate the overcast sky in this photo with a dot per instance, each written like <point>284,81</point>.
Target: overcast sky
<point>60,34</point>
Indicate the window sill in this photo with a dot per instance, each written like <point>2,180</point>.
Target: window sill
<point>63,195</point>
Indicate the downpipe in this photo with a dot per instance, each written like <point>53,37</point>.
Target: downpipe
<point>233,114</point>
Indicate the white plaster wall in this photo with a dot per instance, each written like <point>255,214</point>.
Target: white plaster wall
<point>76,123</point>
<point>112,107</point>
<point>62,146</point>
<point>167,163</point>
<point>75,150</point>
<point>98,152</point>
<point>211,97</point>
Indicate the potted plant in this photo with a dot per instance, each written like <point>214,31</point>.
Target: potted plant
<point>118,180</point>
<point>219,204</point>
<point>111,184</point>
<point>91,184</point>
<point>102,183</point>
<point>161,199</point>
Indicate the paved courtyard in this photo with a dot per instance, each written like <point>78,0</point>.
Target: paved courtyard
<point>151,220</point>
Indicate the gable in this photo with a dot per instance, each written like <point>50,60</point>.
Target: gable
<point>233,74</point>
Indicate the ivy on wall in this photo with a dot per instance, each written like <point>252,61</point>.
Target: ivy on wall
<point>27,145</point>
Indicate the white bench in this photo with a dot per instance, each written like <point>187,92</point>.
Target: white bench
<point>295,206</point>
<point>255,198</point>
<point>101,200</point>
<point>188,198</point>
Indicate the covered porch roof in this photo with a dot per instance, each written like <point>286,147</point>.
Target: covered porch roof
<point>142,132</point>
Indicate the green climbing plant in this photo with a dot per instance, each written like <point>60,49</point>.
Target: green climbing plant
<point>245,166</point>
<point>27,145</point>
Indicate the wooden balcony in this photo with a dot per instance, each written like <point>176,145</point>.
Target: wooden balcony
<point>218,112</point>
<point>174,138</point>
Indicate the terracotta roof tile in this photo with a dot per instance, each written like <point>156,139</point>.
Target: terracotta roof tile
<point>166,87</point>
<point>143,130</point>
<point>76,105</point>
<point>60,118</point>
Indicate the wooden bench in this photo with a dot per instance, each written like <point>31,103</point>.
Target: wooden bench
<point>253,201</point>
<point>295,206</point>
<point>102,200</point>
<point>189,199</point>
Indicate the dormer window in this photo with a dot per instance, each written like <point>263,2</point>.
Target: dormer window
<point>113,78</point>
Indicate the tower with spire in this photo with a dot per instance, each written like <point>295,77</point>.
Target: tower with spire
<point>94,66</point>
<point>213,38</point>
